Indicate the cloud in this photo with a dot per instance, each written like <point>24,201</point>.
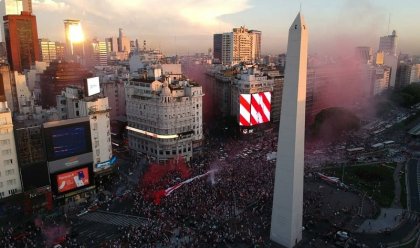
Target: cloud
<point>49,5</point>
<point>142,16</point>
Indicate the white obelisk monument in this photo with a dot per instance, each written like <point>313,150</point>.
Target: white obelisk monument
<point>286,219</point>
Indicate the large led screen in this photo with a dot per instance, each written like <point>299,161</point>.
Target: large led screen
<point>68,140</point>
<point>73,180</point>
<point>92,86</point>
<point>254,109</point>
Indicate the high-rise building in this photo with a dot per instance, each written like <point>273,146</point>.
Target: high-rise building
<point>164,118</point>
<point>96,53</point>
<point>364,54</point>
<point>415,73</point>
<point>75,49</point>
<point>72,104</point>
<point>60,50</point>
<point>388,44</point>
<point>7,82</point>
<point>57,77</point>
<point>112,44</point>
<point>123,42</point>
<point>48,50</point>
<point>240,45</point>
<point>10,182</point>
<point>13,7</point>
<point>21,37</point>
<point>217,47</point>
<point>287,213</point>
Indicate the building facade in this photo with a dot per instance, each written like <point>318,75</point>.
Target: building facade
<point>164,118</point>
<point>48,50</point>
<point>10,182</point>
<point>240,45</point>
<point>21,37</point>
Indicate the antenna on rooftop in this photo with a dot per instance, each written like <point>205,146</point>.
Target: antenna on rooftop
<point>389,22</point>
<point>300,7</point>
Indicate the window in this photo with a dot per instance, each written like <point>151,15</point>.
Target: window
<point>8,162</point>
<point>4,142</point>
<point>11,182</point>
<point>10,172</point>
<point>6,152</point>
<point>1,184</point>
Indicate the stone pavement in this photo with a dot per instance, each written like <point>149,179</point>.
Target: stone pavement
<point>389,219</point>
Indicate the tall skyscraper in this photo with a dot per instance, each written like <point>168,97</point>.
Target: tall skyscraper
<point>240,45</point>
<point>13,7</point>
<point>123,42</point>
<point>364,54</point>
<point>286,220</point>
<point>388,44</point>
<point>217,46</point>
<point>21,40</point>
<point>74,40</point>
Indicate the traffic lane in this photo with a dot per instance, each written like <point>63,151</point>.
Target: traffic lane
<point>413,182</point>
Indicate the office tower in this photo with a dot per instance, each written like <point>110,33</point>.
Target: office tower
<point>256,45</point>
<point>112,44</point>
<point>240,45</point>
<point>10,182</point>
<point>169,127</point>
<point>48,50</point>
<point>57,77</point>
<point>364,54</point>
<point>96,53</point>
<point>75,49</point>
<point>13,7</point>
<point>217,47</point>
<point>286,220</point>
<point>21,40</point>
<point>388,44</point>
<point>123,42</point>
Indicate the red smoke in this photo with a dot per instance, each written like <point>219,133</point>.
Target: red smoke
<point>159,176</point>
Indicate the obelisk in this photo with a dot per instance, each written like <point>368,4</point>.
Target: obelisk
<point>286,219</point>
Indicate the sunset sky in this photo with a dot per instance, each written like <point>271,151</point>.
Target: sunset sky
<point>187,26</point>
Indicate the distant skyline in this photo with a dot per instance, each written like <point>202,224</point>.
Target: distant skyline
<point>187,26</point>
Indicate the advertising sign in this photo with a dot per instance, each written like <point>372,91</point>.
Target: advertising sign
<point>254,109</point>
<point>72,180</point>
<point>93,86</point>
<point>106,164</point>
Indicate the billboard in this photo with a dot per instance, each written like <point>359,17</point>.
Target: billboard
<point>67,140</point>
<point>254,109</point>
<point>92,86</point>
<point>72,180</point>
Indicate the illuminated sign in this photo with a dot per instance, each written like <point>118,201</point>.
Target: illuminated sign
<point>107,164</point>
<point>73,180</point>
<point>254,109</point>
<point>154,135</point>
<point>92,86</point>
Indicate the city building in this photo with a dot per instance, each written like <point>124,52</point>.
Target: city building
<point>13,7</point>
<point>217,47</point>
<point>287,212</point>
<point>60,50</point>
<point>57,77</point>
<point>96,54</point>
<point>123,42</point>
<point>276,97</point>
<point>364,54</point>
<point>115,92</point>
<point>164,118</point>
<point>379,76</point>
<point>7,83</point>
<point>240,45</point>
<point>415,73</point>
<point>10,182</point>
<point>403,77</point>
<point>251,98</point>
<point>73,103</point>
<point>75,45</point>
<point>21,37</point>
<point>388,44</point>
<point>48,50</point>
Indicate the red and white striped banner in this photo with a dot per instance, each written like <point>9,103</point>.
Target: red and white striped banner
<point>254,109</point>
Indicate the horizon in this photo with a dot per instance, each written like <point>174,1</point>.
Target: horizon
<point>184,28</point>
